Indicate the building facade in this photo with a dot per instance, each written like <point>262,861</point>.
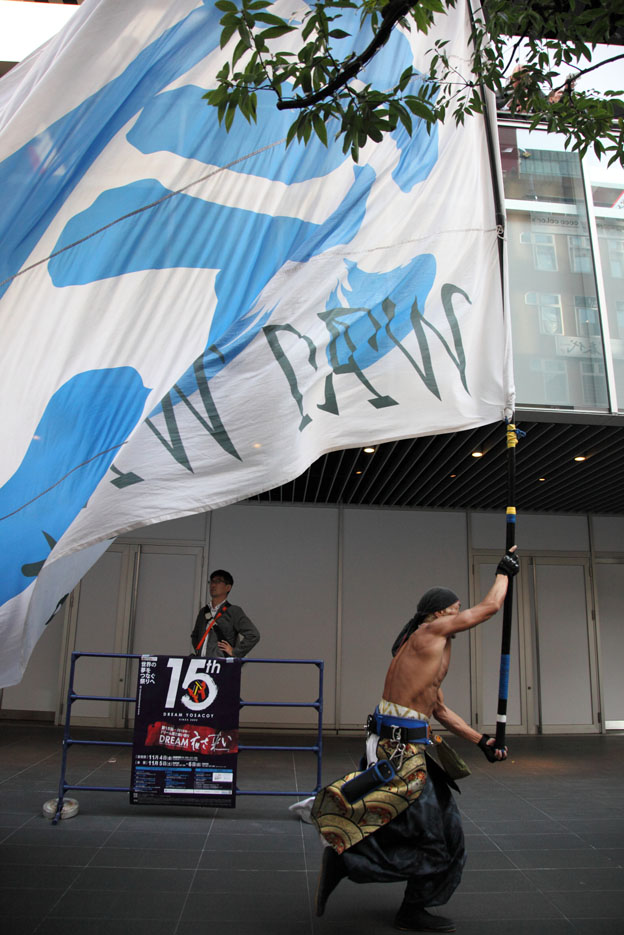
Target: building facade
<point>338,583</point>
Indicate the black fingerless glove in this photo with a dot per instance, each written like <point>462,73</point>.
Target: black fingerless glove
<point>489,750</point>
<point>508,565</point>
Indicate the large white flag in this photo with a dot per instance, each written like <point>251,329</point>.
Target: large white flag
<point>190,317</point>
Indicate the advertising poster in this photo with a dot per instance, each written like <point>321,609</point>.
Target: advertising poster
<point>186,731</point>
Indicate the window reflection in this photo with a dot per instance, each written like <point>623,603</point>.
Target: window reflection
<point>557,337</point>
<point>607,194</point>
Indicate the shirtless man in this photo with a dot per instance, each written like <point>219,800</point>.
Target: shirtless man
<point>424,843</point>
<point>416,673</point>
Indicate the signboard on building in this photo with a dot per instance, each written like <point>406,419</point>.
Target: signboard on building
<point>566,220</point>
<point>573,346</point>
<point>186,731</point>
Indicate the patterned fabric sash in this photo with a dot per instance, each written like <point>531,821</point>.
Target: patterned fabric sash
<point>341,824</point>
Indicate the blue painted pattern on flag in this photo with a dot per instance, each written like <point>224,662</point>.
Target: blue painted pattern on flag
<point>95,411</point>
<point>81,431</point>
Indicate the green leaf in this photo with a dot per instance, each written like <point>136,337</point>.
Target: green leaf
<point>405,119</point>
<point>309,26</point>
<point>226,35</point>
<point>320,129</point>
<point>419,108</point>
<point>292,130</point>
<point>273,32</point>
<point>240,50</point>
<point>271,20</point>
<point>229,117</point>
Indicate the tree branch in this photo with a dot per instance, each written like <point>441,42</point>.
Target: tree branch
<point>393,12</point>
<point>586,71</point>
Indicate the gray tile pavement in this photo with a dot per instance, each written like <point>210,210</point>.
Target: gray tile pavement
<point>544,837</point>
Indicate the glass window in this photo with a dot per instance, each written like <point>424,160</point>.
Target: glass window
<point>587,319</point>
<point>555,314</point>
<point>550,313</point>
<point>607,188</point>
<point>615,252</point>
<point>593,383</point>
<point>552,381</point>
<point>544,252</point>
<point>579,251</point>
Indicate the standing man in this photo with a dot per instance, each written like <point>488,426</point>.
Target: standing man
<point>221,628</point>
<point>408,827</point>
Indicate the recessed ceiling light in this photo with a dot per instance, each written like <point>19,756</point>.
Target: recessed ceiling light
<point>477,454</point>
<point>581,458</point>
<point>369,451</point>
<point>358,472</point>
<point>452,475</point>
<point>541,479</point>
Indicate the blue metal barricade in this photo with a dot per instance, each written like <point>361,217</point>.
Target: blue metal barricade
<point>69,741</point>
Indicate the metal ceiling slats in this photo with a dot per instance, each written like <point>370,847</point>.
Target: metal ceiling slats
<point>411,450</point>
<point>465,482</point>
<point>400,456</point>
<point>558,464</point>
<point>318,497</point>
<point>552,454</point>
<point>384,455</point>
<point>484,480</point>
<point>415,473</point>
<point>587,481</point>
<point>349,476</point>
<point>424,468</point>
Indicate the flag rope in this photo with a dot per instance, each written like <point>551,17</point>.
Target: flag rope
<point>152,204</point>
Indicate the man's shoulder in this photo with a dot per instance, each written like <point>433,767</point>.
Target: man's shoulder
<point>426,638</point>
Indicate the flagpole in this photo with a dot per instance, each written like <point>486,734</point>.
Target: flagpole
<point>510,540</point>
<point>491,143</point>
<point>511,433</point>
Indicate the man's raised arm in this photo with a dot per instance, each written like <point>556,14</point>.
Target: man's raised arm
<point>448,623</point>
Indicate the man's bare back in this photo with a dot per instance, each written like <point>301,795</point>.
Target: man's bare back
<point>417,671</point>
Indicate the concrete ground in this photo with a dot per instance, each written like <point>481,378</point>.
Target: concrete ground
<point>544,836</point>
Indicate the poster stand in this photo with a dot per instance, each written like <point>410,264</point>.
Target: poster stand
<point>69,741</point>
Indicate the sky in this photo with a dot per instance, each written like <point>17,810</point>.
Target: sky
<point>26,26</point>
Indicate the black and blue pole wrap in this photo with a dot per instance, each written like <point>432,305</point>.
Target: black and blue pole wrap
<point>510,540</point>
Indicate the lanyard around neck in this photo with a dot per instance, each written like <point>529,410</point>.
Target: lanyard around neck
<point>223,607</point>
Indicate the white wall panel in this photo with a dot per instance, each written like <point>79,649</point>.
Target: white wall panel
<point>284,561</point>
<point>391,558</point>
<point>38,690</point>
<point>286,565</point>
<point>610,591</point>
<point>187,528</point>
<point>167,598</point>
<point>100,610</point>
<point>608,533</point>
<point>535,532</point>
<point>564,646</point>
